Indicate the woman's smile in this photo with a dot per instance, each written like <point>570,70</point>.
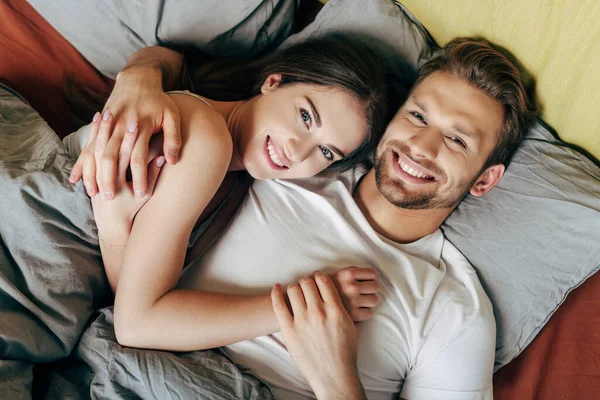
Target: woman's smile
<point>275,157</point>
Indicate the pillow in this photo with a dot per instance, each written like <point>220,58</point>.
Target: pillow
<point>108,32</point>
<point>532,239</point>
<point>383,25</point>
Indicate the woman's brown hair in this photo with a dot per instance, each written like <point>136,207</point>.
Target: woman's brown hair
<point>333,62</point>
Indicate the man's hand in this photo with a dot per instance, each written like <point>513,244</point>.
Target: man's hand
<point>320,336</point>
<point>358,288</point>
<point>137,103</point>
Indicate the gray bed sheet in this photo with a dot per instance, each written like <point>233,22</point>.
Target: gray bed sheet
<point>54,344</point>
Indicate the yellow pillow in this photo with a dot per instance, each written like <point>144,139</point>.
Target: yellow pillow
<point>557,41</point>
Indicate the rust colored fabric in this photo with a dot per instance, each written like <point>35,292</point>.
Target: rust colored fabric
<point>35,61</point>
<point>563,362</point>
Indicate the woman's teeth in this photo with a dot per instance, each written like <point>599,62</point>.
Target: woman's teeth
<point>273,156</point>
<point>411,171</point>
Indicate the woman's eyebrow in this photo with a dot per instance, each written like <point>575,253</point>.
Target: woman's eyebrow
<point>314,111</point>
<point>336,150</point>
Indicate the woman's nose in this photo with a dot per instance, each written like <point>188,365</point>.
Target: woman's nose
<point>298,150</point>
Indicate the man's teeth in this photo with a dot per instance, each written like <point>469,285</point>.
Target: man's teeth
<point>411,171</point>
<point>272,154</point>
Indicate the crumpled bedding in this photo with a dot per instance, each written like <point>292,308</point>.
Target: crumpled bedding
<point>52,281</point>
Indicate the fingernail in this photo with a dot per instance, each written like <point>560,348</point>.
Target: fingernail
<point>139,194</point>
<point>132,127</point>
<point>88,191</point>
<point>106,116</point>
<point>160,162</point>
<point>174,154</point>
<point>72,177</point>
<point>108,195</point>
<point>96,117</point>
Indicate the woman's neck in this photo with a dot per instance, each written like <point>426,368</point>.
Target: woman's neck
<point>237,116</point>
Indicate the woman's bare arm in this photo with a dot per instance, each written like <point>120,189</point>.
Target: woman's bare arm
<point>149,312</point>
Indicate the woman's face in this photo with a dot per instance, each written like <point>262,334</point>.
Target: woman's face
<point>296,131</point>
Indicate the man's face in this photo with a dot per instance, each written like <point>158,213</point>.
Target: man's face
<point>432,153</point>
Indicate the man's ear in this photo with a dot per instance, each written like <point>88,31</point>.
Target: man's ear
<point>487,180</point>
<point>271,83</point>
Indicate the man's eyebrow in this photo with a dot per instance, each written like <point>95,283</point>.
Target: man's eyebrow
<point>457,126</point>
<point>418,103</point>
<point>465,131</point>
<point>314,111</point>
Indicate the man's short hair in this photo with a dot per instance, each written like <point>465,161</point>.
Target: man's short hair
<point>478,63</point>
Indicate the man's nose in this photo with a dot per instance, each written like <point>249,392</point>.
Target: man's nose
<point>426,143</point>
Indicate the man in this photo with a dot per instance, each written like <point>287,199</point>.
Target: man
<point>433,333</point>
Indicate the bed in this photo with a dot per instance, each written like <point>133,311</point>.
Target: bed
<point>562,361</point>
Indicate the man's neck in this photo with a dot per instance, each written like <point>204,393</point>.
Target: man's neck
<point>398,224</point>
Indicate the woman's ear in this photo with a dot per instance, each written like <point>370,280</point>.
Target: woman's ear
<point>271,83</point>
<point>487,180</point>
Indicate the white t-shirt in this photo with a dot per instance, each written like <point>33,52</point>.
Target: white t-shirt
<point>431,337</point>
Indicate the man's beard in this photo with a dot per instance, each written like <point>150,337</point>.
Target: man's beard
<point>394,190</point>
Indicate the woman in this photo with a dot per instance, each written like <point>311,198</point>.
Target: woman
<point>317,105</point>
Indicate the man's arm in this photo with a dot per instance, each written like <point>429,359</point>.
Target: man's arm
<point>138,101</point>
<point>158,65</point>
<point>320,336</point>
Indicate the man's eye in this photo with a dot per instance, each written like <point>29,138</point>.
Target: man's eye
<point>418,116</point>
<point>305,117</point>
<point>458,141</point>
<point>327,153</point>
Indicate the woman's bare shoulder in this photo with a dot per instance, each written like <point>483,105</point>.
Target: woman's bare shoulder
<point>200,122</point>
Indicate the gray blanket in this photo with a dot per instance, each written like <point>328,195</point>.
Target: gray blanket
<point>53,343</point>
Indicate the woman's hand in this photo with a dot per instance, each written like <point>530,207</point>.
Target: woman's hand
<point>320,336</point>
<point>114,214</point>
<point>358,288</point>
<point>139,104</point>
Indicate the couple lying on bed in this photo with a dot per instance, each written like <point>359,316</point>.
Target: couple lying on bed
<point>426,326</point>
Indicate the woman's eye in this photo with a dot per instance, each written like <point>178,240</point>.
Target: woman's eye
<point>327,153</point>
<point>305,117</point>
<point>418,116</point>
<point>458,141</point>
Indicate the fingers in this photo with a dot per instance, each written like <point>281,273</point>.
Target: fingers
<point>327,289</point>
<point>113,160</point>
<point>106,158</point>
<point>102,135</point>
<point>367,300</point>
<point>126,150</point>
<point>296,299</point>
<point>88,165</point>
<point>282,313</point>
<point>139,161</point>
<point>77,171</point>
<point>172,132</point>
<point>311,293</point>
<point>361,314</point>
<point>359,274</point>
<point>87,161</point>
<point>367,287</point>
<point>153,173</point>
